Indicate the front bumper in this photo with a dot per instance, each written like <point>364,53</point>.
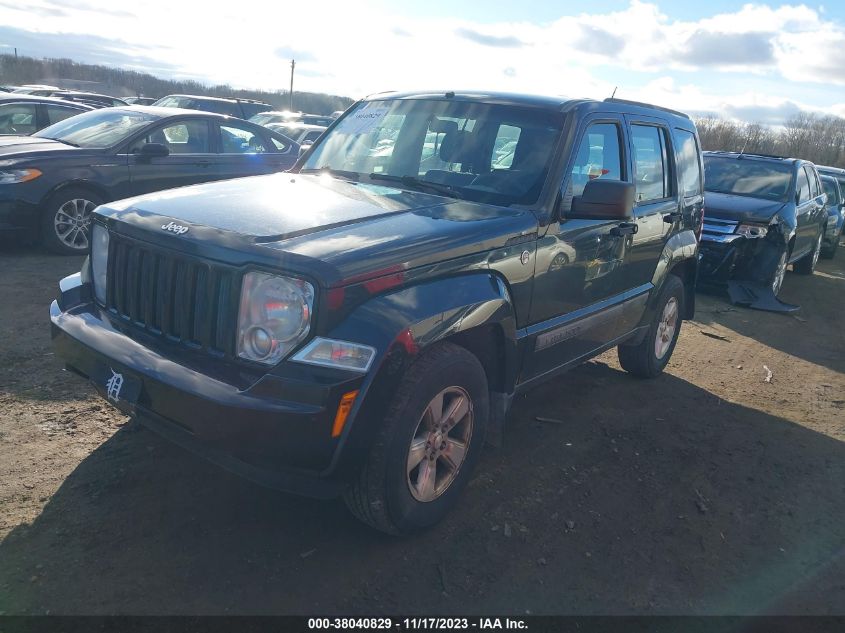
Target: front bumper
<point>725,255</point>
<point>18,216</point>
<point>273,428</point>
<point>833,231</point>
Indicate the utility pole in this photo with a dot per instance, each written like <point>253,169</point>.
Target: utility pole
<point>292,66</point>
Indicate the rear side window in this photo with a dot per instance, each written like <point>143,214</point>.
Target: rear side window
<point>688,164</point>
<point>651,170</point>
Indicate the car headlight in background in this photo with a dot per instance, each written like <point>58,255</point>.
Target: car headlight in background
<point>99,260</point>
<point>752,230</point>
<point>832,220</point>
<point>274,317</point>
<point>12,176</point>
<point>339,354</point>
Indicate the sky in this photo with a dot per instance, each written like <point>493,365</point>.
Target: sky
<point>755,62</point>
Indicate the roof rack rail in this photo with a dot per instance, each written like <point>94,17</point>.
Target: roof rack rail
<point>778,156</point>
<point>646,105</point>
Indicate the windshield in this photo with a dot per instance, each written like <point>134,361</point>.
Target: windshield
<point>747,177</point>
<point>99,128</point>
<point>483,152</point>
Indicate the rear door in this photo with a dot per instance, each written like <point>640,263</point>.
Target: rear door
<point>805,210</point>
<point>657,205</point>
<point>190,160</point>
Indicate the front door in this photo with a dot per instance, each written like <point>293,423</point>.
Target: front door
<point>189,162</point>
<point>579,284</point>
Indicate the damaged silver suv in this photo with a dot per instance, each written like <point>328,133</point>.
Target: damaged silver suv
<point>762,214</point>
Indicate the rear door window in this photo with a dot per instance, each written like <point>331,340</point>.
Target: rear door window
<point>60,113</point>
<point>238,140</point>
<point>651,168</point>
<point>184,137</point>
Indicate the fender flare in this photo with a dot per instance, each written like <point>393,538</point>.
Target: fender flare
<point>400,326</point>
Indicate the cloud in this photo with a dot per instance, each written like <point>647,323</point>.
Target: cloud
<point>36,9</point>
<point>705,48</point>
<point>396,30</point>
<point>286,52</point>
<point>86,48</point>
<point>81,5</point>
<point>599,41</point>
<point>506,41</point>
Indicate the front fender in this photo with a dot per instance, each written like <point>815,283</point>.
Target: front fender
<point>401,325</point>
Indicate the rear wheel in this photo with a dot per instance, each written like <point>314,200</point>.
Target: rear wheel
<point>66,219</point>
<point>807,264</point>
<point>648,358</point>
<point>429,443</point>
<point>830,252</point>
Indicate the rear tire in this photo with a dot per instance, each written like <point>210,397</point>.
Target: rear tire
<point>807,264</point>
<point>416,470</point>
<point>830,253</point>
<point>66,219</point>
<point>648,358</point>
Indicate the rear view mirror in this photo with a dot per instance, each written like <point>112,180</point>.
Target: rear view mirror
<point>152,150</point>
<point>604,200</point>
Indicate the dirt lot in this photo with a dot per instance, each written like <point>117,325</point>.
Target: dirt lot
<point>705,491</point>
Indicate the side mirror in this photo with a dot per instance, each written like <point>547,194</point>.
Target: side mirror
<point>153,150</point>
<point>604,200</point>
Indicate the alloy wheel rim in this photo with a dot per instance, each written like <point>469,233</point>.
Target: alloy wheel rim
<point>440,444</point>
<point>71,223</point>
<point>666,328</point>
<point>780,274</point>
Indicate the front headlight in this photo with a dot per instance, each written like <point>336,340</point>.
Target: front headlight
<point>99,260</point>
<point>12,176</point>
<point>275,316</point>
<point>832,220</point>
<point>752,230</point>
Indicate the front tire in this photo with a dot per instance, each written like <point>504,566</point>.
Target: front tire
<point>66,220</point>
<point>648,358</point>
<point>428,445</point>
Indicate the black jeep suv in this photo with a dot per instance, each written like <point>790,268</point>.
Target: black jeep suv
<point>359,326</point>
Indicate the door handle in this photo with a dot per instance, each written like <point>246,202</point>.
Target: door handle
<point>671,218</point>
<point>624,228</point>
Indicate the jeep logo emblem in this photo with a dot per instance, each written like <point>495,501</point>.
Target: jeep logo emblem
<point>174,228</point>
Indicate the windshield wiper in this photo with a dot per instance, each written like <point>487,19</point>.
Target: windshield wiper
<point>413,182</point>
<point>50,138</point>
<point>340,173</point>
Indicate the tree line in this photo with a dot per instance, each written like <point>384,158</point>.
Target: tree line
<point>820,139</point>
<point>125,83</point>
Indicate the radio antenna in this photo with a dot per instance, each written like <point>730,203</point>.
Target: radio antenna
<point>614,92</point>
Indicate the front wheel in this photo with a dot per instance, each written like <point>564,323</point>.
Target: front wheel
<point>648,358</point>
<point>429,442</point>
<point>66,220</point>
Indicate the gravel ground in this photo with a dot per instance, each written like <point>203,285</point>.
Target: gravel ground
<point>706,491</point>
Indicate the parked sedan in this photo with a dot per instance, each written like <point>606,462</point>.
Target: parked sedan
<point>51,182</point>
<point>835,215</point>
<point>763,213</point>
<point>302,133</point>
<point>22,114</point>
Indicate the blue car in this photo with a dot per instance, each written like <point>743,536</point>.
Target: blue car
<point>50,182</point>
<point>833,181</point>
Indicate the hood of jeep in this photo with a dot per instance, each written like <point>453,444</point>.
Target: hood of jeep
<point>333,230</point>
<point>275,207</point>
